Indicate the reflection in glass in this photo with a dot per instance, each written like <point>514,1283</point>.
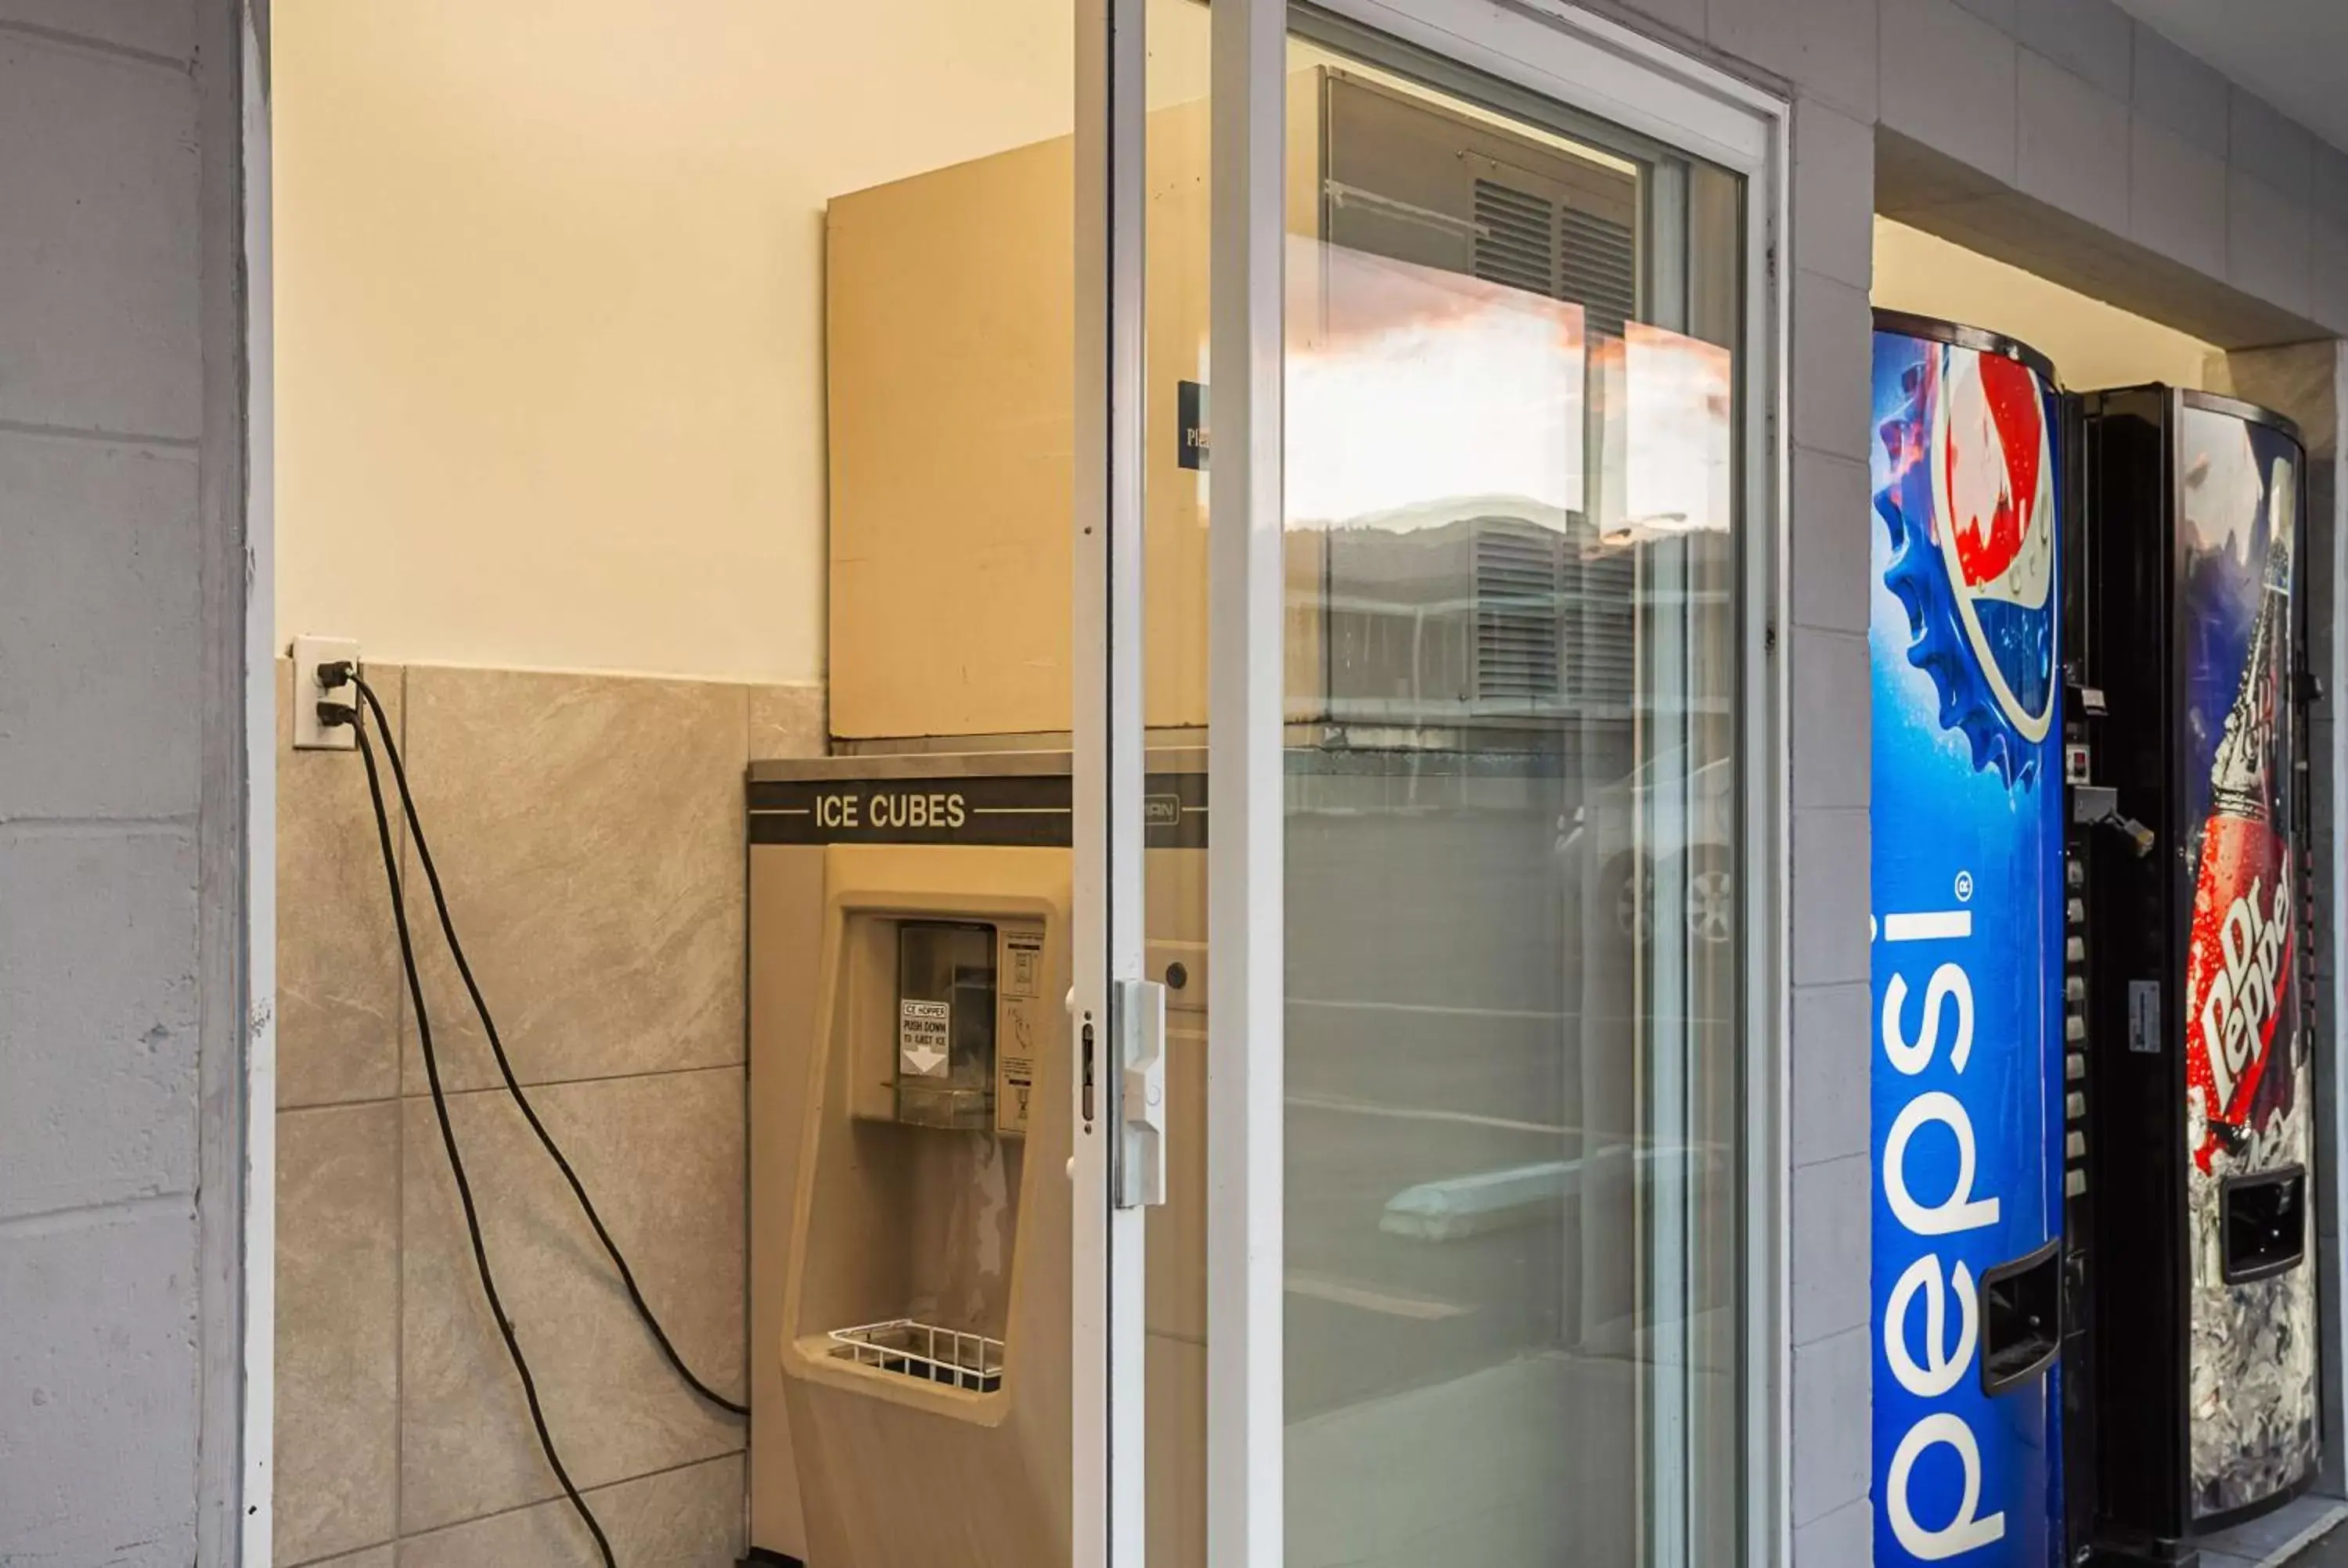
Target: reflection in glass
<point>1511,840</point>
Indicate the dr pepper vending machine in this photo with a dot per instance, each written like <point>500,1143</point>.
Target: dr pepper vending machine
<point>2197,1037</point>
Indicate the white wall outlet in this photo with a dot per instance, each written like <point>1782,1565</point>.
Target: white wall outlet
<point>309,735</point>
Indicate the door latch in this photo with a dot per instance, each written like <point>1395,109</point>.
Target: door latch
<point>1138,1020</point>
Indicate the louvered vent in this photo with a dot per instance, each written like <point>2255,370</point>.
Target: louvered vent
<point>1528,242</point>
<point>1516,238</point>
<point>1601,629</point>
<point>1600,268</point>
<point>1516,567</point>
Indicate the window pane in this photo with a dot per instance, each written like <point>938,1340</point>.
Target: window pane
<point>1512,857</point>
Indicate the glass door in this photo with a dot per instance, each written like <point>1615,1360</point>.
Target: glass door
<point>1456,491</point>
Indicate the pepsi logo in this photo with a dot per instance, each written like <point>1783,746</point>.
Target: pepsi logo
<point>1993,478</point>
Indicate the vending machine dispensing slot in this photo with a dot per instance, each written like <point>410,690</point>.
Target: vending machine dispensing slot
<point>2264,1224</point>
<point>2020,1318</point>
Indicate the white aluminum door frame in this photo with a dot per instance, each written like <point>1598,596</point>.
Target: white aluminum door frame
<point>1106,1323</point>
<point>1597,68</point>
<point>1246,980</point>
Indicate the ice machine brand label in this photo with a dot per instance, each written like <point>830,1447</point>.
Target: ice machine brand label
<point>1016,809</point>
<point>1967,835</point>
<point>2253,1343</point>
<point>923,1029</point>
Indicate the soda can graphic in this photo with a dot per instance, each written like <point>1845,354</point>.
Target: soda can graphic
<point>1967,844</point>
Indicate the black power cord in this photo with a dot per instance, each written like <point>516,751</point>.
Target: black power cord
<point>330,677</point>
<point>505,1068</point>
<point>334,713</point>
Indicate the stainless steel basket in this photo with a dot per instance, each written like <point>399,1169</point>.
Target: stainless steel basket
<point>971,1362</point>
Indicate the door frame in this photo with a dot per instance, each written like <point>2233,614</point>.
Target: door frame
<point>1107,1387</point>
<point>237,1125</point>
<point>1556,49</point>
<point>1596,66</point>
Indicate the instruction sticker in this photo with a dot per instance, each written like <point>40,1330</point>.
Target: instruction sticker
<point>921,1030</point>
<point>1015,1072</point>
<point>1019,1084</point>
<point>1022,963</point>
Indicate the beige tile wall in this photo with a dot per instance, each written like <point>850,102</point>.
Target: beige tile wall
<point>588,831</point>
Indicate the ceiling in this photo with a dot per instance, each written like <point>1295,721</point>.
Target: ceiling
<point>2292,53</point>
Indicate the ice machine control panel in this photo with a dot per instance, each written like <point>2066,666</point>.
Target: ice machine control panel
<point>965,1023</point>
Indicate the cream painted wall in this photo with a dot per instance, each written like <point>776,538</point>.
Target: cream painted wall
<point>2093,345</point>
<point>548,310</point>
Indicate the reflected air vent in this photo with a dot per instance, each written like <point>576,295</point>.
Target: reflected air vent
<point>1528,242</point>
<point>1601,629</point>
<point>1601,269</point>
<point>1516,567</point>
<point>1516,239</point>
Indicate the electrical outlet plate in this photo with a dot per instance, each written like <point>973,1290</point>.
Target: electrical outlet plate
<point>309,735</point>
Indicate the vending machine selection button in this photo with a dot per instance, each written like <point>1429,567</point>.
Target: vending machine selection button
<point>2074,1105</point>
<point>2075,1183</point>
<point>2075,1145</point>
<point>2074,988</point>
<point>2074,1027</point>
<point>2074,1067</point>
<point>2075,950</point>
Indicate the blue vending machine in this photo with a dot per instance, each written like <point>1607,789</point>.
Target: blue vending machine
<point>1967,1075</point>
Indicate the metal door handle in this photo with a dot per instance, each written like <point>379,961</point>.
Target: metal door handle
<point>1138,1019</point>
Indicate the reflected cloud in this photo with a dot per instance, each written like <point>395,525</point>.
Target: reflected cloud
<point>1408,387</point>
<point>1412,392</point>
<point>1678,448</point>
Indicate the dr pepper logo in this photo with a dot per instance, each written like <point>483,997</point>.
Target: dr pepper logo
<point>2237,971</point>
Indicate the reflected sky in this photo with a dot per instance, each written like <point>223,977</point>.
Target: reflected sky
<point>1410,388</point>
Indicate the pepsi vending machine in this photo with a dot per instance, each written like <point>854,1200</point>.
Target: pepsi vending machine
<point>2205,1405</point>
<point>1966,1079</point>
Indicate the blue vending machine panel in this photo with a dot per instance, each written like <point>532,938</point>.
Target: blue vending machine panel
<point>1967,1073</point>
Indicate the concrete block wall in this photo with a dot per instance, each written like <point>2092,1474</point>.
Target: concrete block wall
<point>2062,134</point>
<point>117,819</point>
<point>1825,643</point>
